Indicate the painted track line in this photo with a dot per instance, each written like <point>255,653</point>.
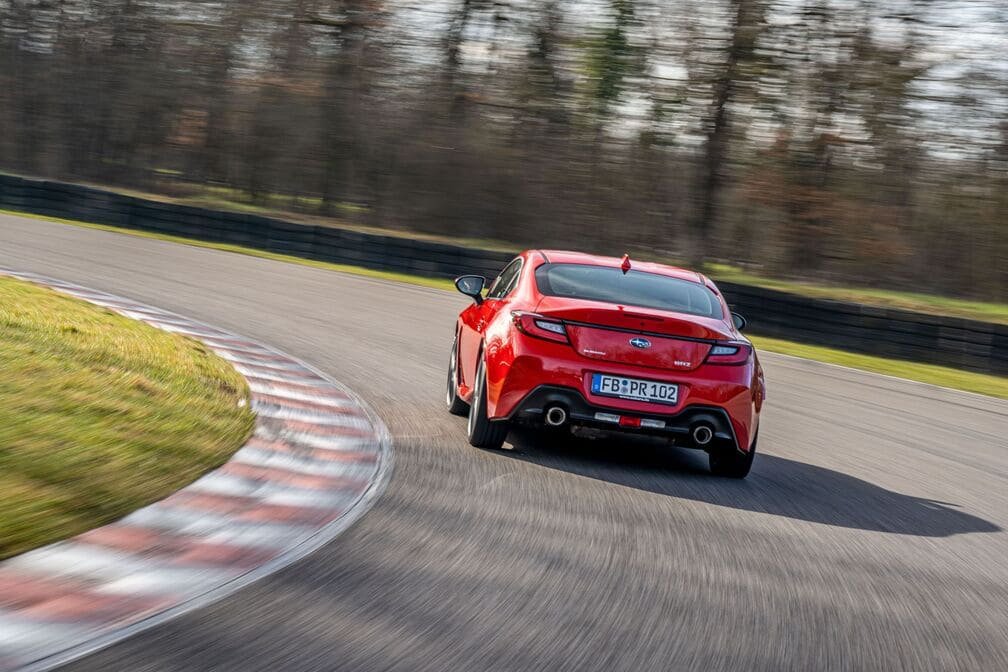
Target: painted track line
<point>315,463</point>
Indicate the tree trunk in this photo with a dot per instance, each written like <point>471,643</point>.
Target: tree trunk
<point>716,147</point>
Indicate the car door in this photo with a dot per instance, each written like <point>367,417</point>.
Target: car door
<point>477,317</point>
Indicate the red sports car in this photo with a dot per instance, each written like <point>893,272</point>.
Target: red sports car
<point>568,339</point>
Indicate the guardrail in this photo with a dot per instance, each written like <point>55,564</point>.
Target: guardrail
<point>949,341</point>
<point>325,243</point>
<point>901,334</point>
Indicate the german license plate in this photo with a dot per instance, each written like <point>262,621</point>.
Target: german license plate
<point>635,389</point>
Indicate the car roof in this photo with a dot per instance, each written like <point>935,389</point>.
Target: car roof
<point>570,257</point>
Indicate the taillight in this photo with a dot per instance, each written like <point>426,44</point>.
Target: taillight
<point>729,353</point>
<point>538,326</point>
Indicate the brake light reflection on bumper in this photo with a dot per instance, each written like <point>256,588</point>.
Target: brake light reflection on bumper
<point>629,421</point>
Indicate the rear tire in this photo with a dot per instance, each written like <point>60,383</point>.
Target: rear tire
<point>730,463</point>
<point>483,432</point>
<point>456,406</point>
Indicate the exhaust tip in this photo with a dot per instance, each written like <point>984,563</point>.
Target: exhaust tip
<point>556,416</point>
<point>702,435</point>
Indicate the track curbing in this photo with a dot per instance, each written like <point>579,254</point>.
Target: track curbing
<point>316,461</point>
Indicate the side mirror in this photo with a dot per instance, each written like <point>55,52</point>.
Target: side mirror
<point>471,286</point>
<point>740,322</point>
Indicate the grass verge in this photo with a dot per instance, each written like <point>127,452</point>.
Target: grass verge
<point>926,373</point>
<point>101,414</point>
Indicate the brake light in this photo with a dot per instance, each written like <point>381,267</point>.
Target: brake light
<point>538,326</point>
<point>729,353</point>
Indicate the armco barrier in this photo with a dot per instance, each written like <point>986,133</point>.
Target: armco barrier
<point>343,246</point>
<point>902,334</point>
<point>964,344</point>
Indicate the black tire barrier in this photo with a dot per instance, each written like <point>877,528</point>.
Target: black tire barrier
<point>960,343</point>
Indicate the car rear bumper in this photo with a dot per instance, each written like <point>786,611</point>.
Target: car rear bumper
<point>517,372</point>
<point>582,413</point>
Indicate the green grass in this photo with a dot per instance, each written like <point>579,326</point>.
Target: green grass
<point>936,375</point>
<point>922,303</point>
<point>994,386</point>
<point>101,414</point>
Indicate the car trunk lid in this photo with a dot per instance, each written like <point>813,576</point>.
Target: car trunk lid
<point>638,336</point>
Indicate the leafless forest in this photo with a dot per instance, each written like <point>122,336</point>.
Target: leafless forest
<point>842,140</point>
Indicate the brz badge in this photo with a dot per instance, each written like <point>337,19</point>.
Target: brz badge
<point>641,343</point>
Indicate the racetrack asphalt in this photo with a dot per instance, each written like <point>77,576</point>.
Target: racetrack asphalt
<point>869,536</point>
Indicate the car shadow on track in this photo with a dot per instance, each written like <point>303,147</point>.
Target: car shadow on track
<point>777,486</point>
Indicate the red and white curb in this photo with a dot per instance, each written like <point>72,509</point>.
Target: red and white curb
<point>315,462</point>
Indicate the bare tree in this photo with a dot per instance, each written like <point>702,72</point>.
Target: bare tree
<point>826,139</point>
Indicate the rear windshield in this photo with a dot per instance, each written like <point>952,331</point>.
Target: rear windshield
<point>636,288</point>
